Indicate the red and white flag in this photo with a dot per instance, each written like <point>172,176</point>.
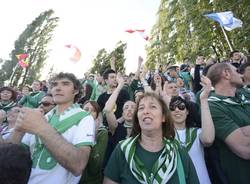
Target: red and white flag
<point>76,53</point>
<point>140,31</point>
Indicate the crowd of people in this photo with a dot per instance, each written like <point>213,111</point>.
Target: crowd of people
<point>176,124</point>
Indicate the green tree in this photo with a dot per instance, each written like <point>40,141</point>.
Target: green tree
<point>102,60</point>
<point>182,30</point>
<point>33,41</point>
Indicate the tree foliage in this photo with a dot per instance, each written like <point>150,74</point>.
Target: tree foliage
<point>33,41</point>
<point>182,30</point>
<point>102,60</point>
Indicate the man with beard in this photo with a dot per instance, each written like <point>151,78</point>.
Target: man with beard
<point>230,110</point>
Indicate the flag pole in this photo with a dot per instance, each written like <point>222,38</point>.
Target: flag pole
<point>226,37</point>
<point>12,75</point>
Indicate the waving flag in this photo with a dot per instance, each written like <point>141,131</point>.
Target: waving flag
<point>130,31</point>
<point>140,31</point>
<point>23,60</point>
<point>226,19</point>
<point>76,55</point>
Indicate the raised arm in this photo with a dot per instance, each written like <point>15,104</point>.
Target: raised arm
<point>137,73</point>
<point>110,104</point>
<point>70,157</point>
<point>112,63</point>
<point>146,86</point>
<point>208,133</point>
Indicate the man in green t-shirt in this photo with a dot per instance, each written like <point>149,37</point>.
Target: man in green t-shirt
<point>230,110</point>
<point>32,100</point>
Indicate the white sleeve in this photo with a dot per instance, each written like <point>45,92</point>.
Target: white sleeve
<point>27,139</point>
<point>85,132</point>
<point>192,72</point>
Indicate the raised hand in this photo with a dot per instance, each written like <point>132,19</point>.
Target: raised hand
<point>207,87</point>
<point>119,79</point>
<point>112,62</point>
<point>140,61</point>
<point>30,120</point>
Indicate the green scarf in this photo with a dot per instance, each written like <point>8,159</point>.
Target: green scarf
<point>7,106</point>
<point>163,168</point>
<point>191,134</point>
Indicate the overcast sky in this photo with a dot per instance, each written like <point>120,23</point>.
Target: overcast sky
<point>90,25</point>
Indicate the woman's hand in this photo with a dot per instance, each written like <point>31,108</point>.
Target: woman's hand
<point>207,87</point>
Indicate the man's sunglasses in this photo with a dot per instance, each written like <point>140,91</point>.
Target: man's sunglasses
<point>46,104</point>
<point>180,106</point>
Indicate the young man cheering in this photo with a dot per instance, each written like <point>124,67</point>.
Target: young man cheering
<point>60,144</point>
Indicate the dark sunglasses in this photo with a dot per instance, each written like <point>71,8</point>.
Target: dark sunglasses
<point>45,104</point>
<point>180,106</point>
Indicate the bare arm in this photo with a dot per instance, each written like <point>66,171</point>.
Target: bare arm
<point>108,181</point>
<point>112,63</point>
<point>72,158</point>
<point>158,89</point>
<point>208,132</point>
<point>239,143</point>
<point>246,130</point>
<point>146,86</point>
<point>108,109</point>
<point>137,73</point>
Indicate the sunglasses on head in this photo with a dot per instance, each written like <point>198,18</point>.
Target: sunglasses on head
<point>180,106</point>
<point>45,104</point>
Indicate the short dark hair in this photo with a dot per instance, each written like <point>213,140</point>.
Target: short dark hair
<point>15,164</point>
<point>73,79</point>
<point>232,53</point>
<point>14,93</point>
<point>107,72</point>
<point>167,126</point>
<point>40,82</point>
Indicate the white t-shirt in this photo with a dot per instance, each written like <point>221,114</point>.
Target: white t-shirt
<point>6,133</point>
<point>82,134</point>
<point>196,153</point>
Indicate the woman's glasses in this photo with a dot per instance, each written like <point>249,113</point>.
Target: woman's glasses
<point>180,106</point>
